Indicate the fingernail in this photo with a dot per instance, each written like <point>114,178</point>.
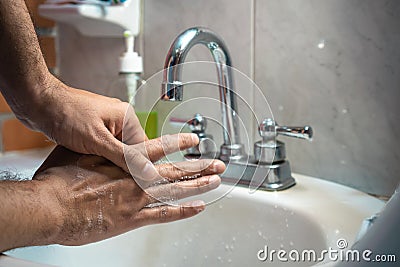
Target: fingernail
<point>214,179</point>
<point>197,203</point>
<point>217,166</point>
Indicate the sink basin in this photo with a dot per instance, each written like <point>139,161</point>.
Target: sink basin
<point>312,215</point>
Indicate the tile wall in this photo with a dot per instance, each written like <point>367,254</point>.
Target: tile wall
<point>332,64</point>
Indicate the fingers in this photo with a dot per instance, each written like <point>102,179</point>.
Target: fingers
<point>163,214</point>
<point>111,146</point>
<point>138,165</point>
<point>129,158</point>
<point>132,132</point>
<point>156,149</point>
<point>113,150</point>
<point>178,170</point>
<point>175,191</point>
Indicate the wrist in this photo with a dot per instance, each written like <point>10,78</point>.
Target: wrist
<point>27,98</point>
<point>52,215</point>
<point>40,106</point>
<point>30,215</point>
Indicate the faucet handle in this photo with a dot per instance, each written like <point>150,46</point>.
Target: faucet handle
<point>197,124</point>
<point>270,150</point>
<point>269,129</point>
<point>206,146</point>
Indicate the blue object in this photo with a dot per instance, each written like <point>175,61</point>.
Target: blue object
<point>115,2</point>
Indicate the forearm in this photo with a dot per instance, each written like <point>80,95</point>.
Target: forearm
<point>27,214</point>
<point>23,71</point>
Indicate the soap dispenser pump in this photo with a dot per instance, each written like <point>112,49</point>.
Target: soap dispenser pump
<point>130,67</point>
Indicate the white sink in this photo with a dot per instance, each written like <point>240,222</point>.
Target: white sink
<point>314,214</point>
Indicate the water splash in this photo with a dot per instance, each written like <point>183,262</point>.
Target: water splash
<point>100,218</point>
<point>111,197</point>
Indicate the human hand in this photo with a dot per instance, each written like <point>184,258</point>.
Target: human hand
<point>85,122</point>
<point>96,200</point>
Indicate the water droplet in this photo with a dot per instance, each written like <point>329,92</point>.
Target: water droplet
<point>229,196</point>
<point>111,197</point>
<point>232,247</point>
<point>344,111</point>
<point>219,258</point>
<point>259,233</point>
<point>280,108</point>
<point>175,244</point>
<point>291,243</point>
<point>184,258</point>
<point>233,239</point>
<point>205,256</point>
<point>337,231</point>
<point>229,260</point>
<point>220,206</point>
<point>321,44</point>
<point>90,223</point>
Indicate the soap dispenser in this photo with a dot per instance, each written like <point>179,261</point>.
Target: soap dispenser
<point>130,68</point>
<point>127,86</point>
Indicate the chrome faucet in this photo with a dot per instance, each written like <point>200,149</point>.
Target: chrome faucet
<point>268,169</point>
<point>172,86</point>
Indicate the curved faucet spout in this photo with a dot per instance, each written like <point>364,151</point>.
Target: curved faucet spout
<point>172,86</point>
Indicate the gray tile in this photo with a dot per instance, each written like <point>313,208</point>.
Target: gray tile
<point>335,65</point>
<point>165,20</point>
<point>88,62</point>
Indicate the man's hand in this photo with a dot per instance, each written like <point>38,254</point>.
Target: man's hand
<point>86,122</point>
<point>76,199</point>
<point>98,200</point>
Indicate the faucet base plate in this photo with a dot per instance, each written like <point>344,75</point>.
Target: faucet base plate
<point>273,177</point>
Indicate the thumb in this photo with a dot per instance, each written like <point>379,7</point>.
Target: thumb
<point>132,131</point>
